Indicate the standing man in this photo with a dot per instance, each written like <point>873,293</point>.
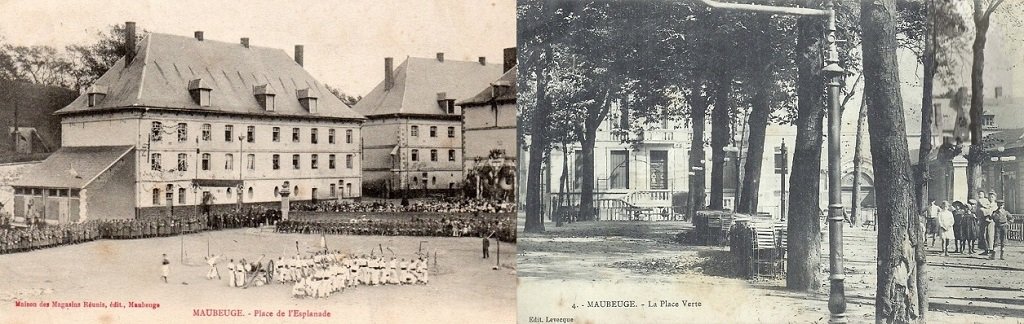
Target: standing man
<point>1000,220</point>
<point>932,226</point>
<point>165,268</point>
<point>983,212</point>
<point>487,245</point>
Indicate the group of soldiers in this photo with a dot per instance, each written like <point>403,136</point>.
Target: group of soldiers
<point>18,239</point>
<point>320,274</point>
<point>449,205</point>
<point>476,226</point>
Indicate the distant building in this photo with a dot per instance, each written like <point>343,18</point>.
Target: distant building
<point>489,128</point>
<point>30,130</point>
<point>415,128</point>
<point>199,122</point>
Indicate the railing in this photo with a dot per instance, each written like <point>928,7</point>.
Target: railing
<point>1016,232</point>
<point>657,198</point>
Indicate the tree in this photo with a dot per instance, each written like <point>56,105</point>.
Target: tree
<point>803,219</point>
<point>91,61</point>
<point>896,298</point>
<point>347,99</point>
<point>41,64</point>
<point>982,16</point>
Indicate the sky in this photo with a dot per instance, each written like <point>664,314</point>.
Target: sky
<point>345,41</point>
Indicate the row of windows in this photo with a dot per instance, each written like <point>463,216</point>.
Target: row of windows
<point>250,134</point>
<point>415,131</point>
<point>168,194</point>
<point>156,161</point>
<point>415,155</point>
<point>47,192</point>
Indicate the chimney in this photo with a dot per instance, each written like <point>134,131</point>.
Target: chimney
<point>245,42</point>
<point>440,57</point>
<point>199,35</point>
<point>510,59</point>
<point>298,54</point>
<point>129,42</point>
<point>389,73</point>
<point>483,60</point>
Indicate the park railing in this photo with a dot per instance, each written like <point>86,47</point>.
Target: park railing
<point>1016,230</point>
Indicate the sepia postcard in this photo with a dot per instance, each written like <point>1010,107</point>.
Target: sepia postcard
<point>770,162</point>
<point>258,162</point>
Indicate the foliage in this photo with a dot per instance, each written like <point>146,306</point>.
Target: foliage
<point>347,99</point>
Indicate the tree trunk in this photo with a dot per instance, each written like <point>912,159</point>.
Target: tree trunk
<point>698,112</point>
<point>595,115</point>
<point>896,297</point>
<point>538,143</point>
<point>974,161</point>
<point>758,124</point>
<point>562,183</point>
<point>719,139</point>
<point>923,175</point>
<point>804,224</point>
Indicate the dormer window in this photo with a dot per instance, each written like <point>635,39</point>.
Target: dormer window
<point>264,96</point>
<point>446,105</point>
<point>307,99</point>
<point>200,90</point>
<point>96,94</point>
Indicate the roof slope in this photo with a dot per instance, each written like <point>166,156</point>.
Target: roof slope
<point>419,80</point>
<point>485,95</point>
<point>160,74</point>
<point>72,167</point>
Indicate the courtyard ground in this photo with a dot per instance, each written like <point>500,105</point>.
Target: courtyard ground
<point>463,287</point>
<point>564,268</point>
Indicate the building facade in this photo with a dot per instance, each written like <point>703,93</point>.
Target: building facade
<point>416,140</point>
<point>216,123</point>
<point>489,131</point>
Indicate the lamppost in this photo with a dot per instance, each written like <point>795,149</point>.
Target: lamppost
<point>238,191</point>
<point>782,168</point>
<point>1002,174</point>
<point>833,72</point>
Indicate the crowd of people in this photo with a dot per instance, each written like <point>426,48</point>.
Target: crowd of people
<point>323,273</point>
<point>503,228</point>
<point>982,222</point>
<point>14,239</point>
<point>448,205</point>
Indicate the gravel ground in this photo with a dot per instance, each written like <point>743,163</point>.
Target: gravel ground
<point>463,286</point>
<point>644,263</point>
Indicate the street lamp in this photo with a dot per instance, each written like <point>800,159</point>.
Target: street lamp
<point>1002,173</point>
<point>782,168</point>
<point>833,72</point>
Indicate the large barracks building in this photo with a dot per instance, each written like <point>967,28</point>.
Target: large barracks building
<point>183,121</point>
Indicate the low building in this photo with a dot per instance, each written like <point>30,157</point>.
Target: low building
<point>210,123</point>
<point>416,140</point>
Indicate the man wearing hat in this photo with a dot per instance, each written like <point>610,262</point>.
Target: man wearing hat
<point>984,211</point>
<point>1000,220</point>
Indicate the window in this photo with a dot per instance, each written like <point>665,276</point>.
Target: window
<point>348,136</point>
<point>295,135</point>
<point>312,136</point>
<point>207,132</point>
<point>277,162</point>
<point>334,190</point>
<point>295,161</point>
<point>450,106</point>
<point>415,131</point>
<point>182,162</point>
<point>451,155</point>
<point>988,120</point>
<point>181,196</point>
<point>250,193</point>
<point>206,161</point>
<point>156,196</point>
<point>154,162</point>
<point>348,161</point>
<point>229,161</point>
<point>330,161</point>
<point>314,161</point>
<point>156,132</point>
<point>250,161</point>
<point>182,132</point>
<point>348,188</point>
<point>433,155</point>
<point>433,131</point>
<point>250,134</point>
<point>330,136</point>
<point>277,192</point>
<point>415,155</point>
<point>659,170</point>
<point>277,134</point>
<point>619,176</point>
<point>228,132</point>
<point>451,131</point>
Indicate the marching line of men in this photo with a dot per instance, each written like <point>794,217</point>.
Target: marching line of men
<point>321,274</point>
<point>14,240</point>
<point>448,205</point>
